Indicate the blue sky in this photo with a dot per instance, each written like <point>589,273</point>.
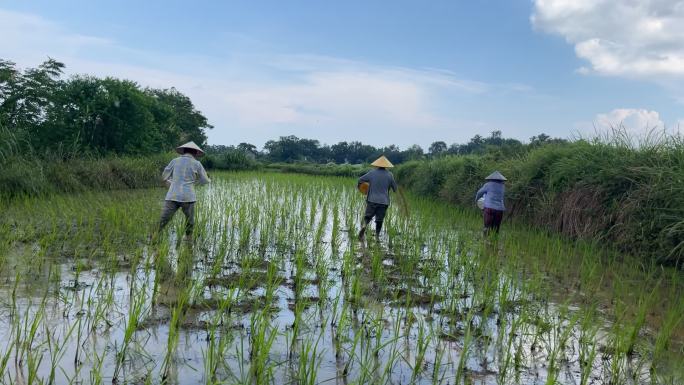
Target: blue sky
<point>382,72</point>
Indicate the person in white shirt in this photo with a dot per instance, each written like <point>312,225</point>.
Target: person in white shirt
<point>181,174</point>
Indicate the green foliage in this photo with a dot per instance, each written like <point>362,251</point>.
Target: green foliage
<point>631,196</point>
<point>329,169</point>
<point>290,149</point>
<point>85,114</point>
<point>23,176</point>
<point>230,158</point>
<point>67,135</point>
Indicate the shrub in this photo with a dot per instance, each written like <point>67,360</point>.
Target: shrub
<point>30,175</point>
<point>632,197</point>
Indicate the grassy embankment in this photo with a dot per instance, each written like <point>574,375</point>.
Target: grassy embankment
<point>631,198</point>
<point>32,176</point>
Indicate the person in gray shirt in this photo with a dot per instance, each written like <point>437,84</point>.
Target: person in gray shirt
<point>379,181</point>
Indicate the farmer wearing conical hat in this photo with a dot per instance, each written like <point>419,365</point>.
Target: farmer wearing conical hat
<point>180,175</point>
<point>493,191</point>
<point>379,181</point>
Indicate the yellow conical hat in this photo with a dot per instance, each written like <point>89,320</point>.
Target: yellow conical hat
<point>382,162</point>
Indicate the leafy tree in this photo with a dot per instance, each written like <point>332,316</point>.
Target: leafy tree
<point>26,97</point>
<point>437,148</point>
<point>340,152</point>
<point>360,153</point>
<point>248,148</point>
<point>186,117</point>
<point>414,152</point>
<point>394,154</point>
<point>90,114</point>
<point>539,139</point>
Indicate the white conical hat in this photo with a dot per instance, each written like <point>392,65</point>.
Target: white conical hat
<point>191,145</point>
<point>496,176</point>
<point>382,162</point>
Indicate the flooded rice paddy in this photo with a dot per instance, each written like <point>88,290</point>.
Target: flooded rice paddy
<point>276,289</point>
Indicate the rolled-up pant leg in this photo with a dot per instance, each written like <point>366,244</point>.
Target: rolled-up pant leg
<point>170,208</point>
<point>189,211</point>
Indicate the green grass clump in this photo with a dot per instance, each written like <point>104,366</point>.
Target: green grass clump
<point>25,175</point>
<point>612,191</point>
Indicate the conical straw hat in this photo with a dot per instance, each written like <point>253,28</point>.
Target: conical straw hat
<point>191,145</point>
<point>382,162</point>
<point>496,176</point>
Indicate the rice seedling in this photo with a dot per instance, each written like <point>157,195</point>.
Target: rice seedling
<point>275,289</point>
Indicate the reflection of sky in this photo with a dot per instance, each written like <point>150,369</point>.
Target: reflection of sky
<point>279,219</point>
<point>386,72</point>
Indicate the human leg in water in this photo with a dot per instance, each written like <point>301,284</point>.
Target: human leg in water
<point>189,211</point>
<point>380,212</point>
<point>362,232</point>
<point>367,217</point>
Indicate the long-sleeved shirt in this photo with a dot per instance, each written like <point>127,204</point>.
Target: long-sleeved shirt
<point>380,181</point>
<point>181,174</point>
<point>494,195</point>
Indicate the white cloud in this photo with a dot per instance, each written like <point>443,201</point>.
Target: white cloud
<point>635,38</point>
<point>30,38</point>
<point>635,121</point>
<point>256,97</point>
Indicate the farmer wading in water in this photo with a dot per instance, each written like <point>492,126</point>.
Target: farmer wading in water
<point>379,183</point>
<point>180,175</point>
<point>493,191</point>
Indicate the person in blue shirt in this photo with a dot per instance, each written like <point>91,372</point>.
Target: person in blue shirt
<point>181,174</point>
<point>380,181</point>
<point>493,191</point>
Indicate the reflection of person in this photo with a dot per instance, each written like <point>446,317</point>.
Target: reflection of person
<point>180,175</point>
<point>380,181</point>
<point>493,191</point>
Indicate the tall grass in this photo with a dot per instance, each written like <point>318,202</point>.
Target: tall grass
<point>610,189</point>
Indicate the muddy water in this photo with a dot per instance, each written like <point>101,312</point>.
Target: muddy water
<point>419,305</point>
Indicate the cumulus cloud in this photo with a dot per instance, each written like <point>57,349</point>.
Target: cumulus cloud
<point>636,121</point>
<point>256,97</point>
<point>634,38</point>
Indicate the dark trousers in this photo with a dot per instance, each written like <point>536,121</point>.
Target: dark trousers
<point>170,208</point>
<point>492,219</point>
<point>377,211</point>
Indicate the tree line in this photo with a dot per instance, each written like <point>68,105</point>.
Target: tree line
<point>291,149</point>
<point>45,112</point>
